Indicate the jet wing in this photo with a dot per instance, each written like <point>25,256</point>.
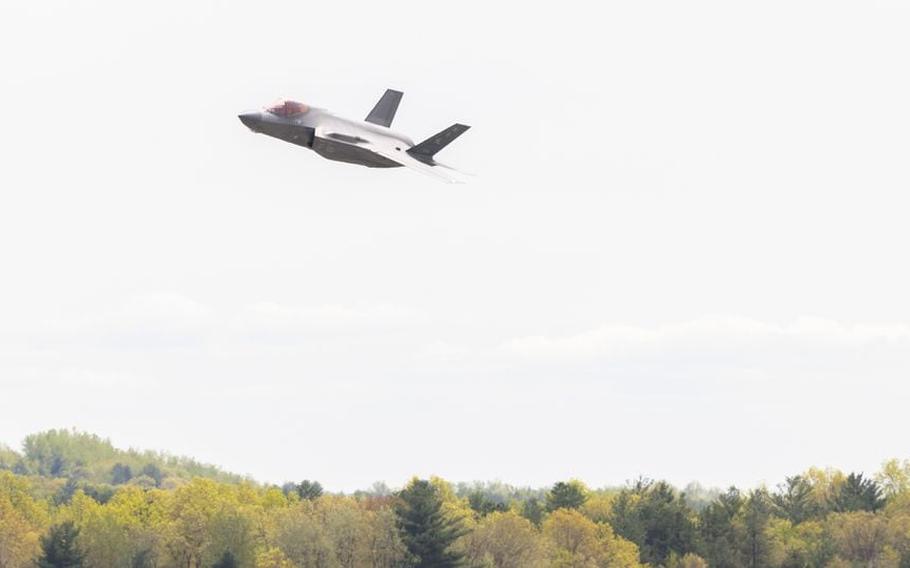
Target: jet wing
<point>408,161</point>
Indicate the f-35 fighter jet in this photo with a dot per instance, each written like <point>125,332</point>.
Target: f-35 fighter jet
<point>369,143</point>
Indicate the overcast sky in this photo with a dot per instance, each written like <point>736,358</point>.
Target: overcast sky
<point>684,254</point>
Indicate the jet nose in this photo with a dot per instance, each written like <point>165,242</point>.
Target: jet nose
<point>250,119</point>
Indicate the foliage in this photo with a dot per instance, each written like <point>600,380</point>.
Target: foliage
<point>88,459</point>
<point>533,510</point>
<point>576,540</point>
<point>59,548</point>
<point>795,501</point>
<point>858,494</point>
<point>567,495</point>
<point>226,561</point>
<point>505,540</point>
<point>688,560</point>
<point>71,499</point>
<point>656,517</point>
<point>426,530</point>
<point>483,505</point>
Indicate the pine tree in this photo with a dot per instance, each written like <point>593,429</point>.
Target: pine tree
<point>307,489</point>
<point>756,543</point>
<point>794,499</point>
<point>227,560</point>
<point>425,529</point>
<point>858,494</point>
<point>721,531</point>
<point>571,495</point>
<point>58,547</point>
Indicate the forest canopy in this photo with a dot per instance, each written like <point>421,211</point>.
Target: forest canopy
<point>71,499</point>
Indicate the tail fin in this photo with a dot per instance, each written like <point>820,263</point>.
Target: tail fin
<point>384,111</point>
<point>428,148</point>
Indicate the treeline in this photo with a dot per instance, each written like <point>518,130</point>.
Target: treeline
<point>65,500</point>
<point>95,462</point>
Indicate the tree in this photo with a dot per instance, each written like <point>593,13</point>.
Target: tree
<point>656,518</point>
<point>385,547</point>
<point>427,532</point>
<point>153,471</point>
<point>861,538</point>
<point>273,558</point>
<point>307,489</point>
<point>226,561</point>
<point>59,548</point>
<point>8,458</point>
<point>506,540</point>
<point>483,505</point>
<point>104,535</point>
<point>688,560</point>
<point>567,495</point>
<point>719,530</point>
<point>58,453</point>
<point>303,539</point>
<point>121,473</point>
<point>577,541</point>
<point>894,478</point>
<point>858,494</point>
<point>572,538</point>
<point>756,545</point>
<point>18,537</point>
<point>190,513</point>
<point>22,520</point>
<point>599,507</point>
<point>795,500</point>
<point>533,510</point>
<point>799,546</point>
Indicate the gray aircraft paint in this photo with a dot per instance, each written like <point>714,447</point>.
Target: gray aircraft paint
<point>368,143</point>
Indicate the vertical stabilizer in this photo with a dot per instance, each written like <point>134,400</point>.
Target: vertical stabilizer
<point>384,111</point>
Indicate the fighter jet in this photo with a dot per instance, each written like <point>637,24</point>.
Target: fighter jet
<point>369,142</point>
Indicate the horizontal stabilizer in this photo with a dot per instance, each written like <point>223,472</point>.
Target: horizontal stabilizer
<point>384,111</point>
<point>428,148</point>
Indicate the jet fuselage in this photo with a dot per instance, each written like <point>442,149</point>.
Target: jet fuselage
<point>369,142</point>
<point>330,136</point>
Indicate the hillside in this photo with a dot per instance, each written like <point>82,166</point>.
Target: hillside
<point>72,495</point>
<point>62,461</point>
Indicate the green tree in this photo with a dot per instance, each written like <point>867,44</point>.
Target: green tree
<point>719,532</point>
<point>121,473</point>
<point>59,548</point>
<point>307,489</point>
<point>59,453</point>
<point>858,494</point>
<point>656,518</point>
<point>795,499</point>
<point>226,561</point>
<point>483,505</point>
<point>153,471</point>
<point>567,495</point>
<point>756,545</point>
<point>427,532</point>
<point>533,510</point>
<point>800,546</point>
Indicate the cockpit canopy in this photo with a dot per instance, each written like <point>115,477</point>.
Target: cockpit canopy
<point>287,109</point>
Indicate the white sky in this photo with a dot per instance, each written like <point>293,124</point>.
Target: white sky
<point>684,256</point>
